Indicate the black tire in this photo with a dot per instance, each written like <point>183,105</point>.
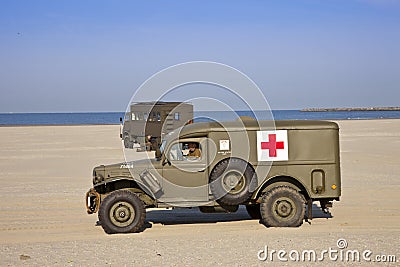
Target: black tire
<point>239,175</point>
<point>282,206</point>
<point>254,211</point>
<point>122,212</point>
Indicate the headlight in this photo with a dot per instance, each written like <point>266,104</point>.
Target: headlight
<point>97,178</point>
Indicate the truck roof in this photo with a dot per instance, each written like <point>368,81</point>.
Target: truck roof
<point>160,103</point>
<point>198,128</point>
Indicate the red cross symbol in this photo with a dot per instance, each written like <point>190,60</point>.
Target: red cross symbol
<point>272,145</point>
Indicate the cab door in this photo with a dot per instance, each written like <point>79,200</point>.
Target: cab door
<point>185,179</point>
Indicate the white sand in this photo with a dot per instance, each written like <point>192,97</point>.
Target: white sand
<point>45,172</point>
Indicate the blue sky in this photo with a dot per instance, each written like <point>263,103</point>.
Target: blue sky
<point>71,56</point>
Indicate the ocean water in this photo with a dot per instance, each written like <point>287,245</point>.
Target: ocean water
<point>113,117</point>
<point>300,115</point>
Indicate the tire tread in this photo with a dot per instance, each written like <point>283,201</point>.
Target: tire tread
<point>105,205</point>
<point>267,217</point>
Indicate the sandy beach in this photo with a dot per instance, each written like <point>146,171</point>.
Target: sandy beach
<point>45,172</point>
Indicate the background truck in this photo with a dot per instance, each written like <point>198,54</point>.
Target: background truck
<point>155,119</point>
<point>276,169</point>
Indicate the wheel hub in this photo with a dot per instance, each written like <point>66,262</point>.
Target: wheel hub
<point>233,182</point>
<point>284,208</point>
<point>122,214</point>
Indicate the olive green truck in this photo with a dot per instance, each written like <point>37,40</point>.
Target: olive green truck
<point>277,169</point>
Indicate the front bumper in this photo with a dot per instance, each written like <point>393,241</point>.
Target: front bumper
<point>92,201</point>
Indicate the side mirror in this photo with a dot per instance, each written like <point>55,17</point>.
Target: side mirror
<point>165,160</point>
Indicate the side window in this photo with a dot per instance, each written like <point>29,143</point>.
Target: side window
<point>175,153</point>
<point>192,151</point>
<point>185,151</point>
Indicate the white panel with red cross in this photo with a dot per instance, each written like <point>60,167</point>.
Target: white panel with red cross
<point>272,145</point>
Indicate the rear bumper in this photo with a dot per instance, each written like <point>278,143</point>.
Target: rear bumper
<point>92,201</point>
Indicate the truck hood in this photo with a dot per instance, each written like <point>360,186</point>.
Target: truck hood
<point>104,173</point>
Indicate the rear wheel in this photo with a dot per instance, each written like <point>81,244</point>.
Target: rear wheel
<point>122,212</point>
<point>282,206</point>
<point>254,211</point>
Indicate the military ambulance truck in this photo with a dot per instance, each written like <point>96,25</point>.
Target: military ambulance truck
<point>276,169</point>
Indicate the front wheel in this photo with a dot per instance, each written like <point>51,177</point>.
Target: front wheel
<point>282,206</point>
<point>122,212</point>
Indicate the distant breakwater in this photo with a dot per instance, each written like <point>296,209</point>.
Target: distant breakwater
<point>350,109</point>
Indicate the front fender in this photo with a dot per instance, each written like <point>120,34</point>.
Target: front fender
<point>117,183</point>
